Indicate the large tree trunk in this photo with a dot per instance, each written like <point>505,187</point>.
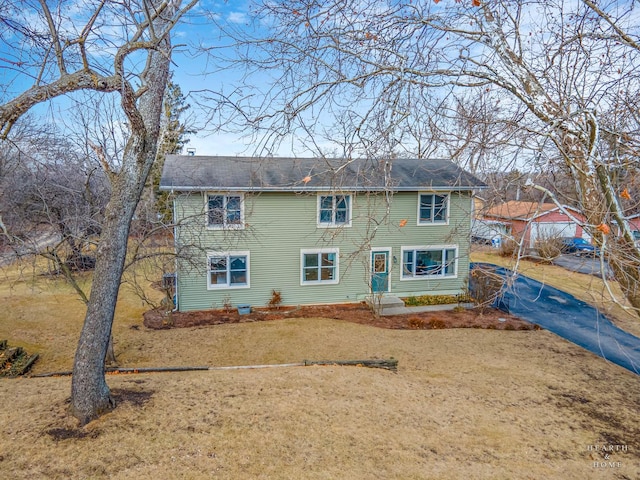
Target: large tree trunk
<point>90,395</point>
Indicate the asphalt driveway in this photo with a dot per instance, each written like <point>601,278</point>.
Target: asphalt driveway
<point>566,316</point>
<point>583,264</point>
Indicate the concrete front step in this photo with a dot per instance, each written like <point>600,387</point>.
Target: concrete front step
<point>384,303</point>
<point>390,305</point>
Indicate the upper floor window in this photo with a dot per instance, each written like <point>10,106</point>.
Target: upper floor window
<point>225,211</point>
<point>334,210</point>
<point>432,208</point>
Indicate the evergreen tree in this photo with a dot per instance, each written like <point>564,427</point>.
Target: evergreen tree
<point>173,137</point>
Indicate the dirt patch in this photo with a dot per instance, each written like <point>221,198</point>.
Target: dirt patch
<point>355,312</point>
<point>136,398</point>
<point>59,434</point>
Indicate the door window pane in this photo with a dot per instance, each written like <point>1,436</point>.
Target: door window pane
<point>379,263</point>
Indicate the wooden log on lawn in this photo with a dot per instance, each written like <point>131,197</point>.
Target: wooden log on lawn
<point>154,369</point>
<point>387,364</point>
<point>28,364</point>
<point>9,355</point>
<point>126,370</point>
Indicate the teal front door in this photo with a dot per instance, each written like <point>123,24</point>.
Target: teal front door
<point>379,271</point>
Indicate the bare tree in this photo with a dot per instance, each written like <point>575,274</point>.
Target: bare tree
<point>55,196</point>
<point>64,54</point>
<point>560,77</point>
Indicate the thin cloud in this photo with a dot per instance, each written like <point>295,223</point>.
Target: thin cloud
<point>237,17</point>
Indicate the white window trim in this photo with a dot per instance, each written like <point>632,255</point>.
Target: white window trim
<point>233,226</point>
<point>448,208</point>
<point>239,253</point>
<point>333,224</point>
<point>318,251</point>
<point>428,247</point>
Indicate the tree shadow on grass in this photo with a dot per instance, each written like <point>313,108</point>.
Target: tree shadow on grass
<point>122,396</point>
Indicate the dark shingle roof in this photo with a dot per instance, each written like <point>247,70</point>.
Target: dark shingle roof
<point>194,173</point>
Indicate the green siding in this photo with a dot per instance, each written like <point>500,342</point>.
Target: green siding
<point>279,225</point>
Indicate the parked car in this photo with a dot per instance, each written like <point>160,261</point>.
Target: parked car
<point>579,246</point>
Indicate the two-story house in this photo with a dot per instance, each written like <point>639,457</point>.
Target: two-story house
<point>317,230</point>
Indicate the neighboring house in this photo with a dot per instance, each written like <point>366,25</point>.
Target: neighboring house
<point>531,221</point>
<point>479,206</point>
<point>317,230</point>
<point>484,230</point>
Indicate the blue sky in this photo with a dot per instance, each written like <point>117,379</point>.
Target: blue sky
<point>192,72</point>
<point>196,74</point>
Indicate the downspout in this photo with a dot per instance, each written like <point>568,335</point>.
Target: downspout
<point>175,249</point>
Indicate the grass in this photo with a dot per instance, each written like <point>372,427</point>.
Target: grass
<point>43,314</point>
<point>464,403</point>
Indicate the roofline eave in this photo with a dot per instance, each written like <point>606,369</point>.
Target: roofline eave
<point>165,188</point>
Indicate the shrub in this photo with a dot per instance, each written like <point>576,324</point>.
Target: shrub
<point>508,247</point>
<point>421,300</point>
<point>486,287</point>
<point>436,323</point>
<point>226,304</point>
<point>412,301</point>
<point>276,299</point>
<point>416,323</point>
<point>549,248</point>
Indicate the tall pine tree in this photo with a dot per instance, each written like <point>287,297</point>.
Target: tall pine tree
<point>173,137</point>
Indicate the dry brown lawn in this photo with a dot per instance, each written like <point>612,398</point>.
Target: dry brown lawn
<point>465,403</point>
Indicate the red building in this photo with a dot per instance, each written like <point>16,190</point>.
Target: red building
<point>530,221</point>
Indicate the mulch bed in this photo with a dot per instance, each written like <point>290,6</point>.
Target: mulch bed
<point>356,312</point>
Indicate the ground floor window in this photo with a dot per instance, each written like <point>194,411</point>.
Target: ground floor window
<point>228,269</point>
<point>319,266</point>
<point>426,262</point>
